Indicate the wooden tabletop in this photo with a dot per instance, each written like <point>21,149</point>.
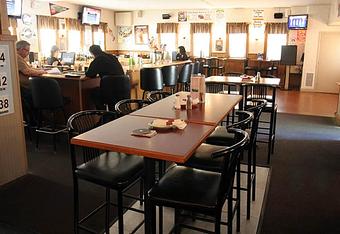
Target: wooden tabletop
<point>172,145</point>
<point>213,111</point>
<point>273,82</point>
<point>63,76</point>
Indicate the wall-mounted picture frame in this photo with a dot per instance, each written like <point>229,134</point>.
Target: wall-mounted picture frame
<point>141,34</point>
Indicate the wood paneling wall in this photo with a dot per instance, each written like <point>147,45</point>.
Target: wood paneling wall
<point>13,159</point>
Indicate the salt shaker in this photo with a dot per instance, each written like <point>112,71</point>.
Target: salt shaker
<point>177,102</point>
<point>189,102</point>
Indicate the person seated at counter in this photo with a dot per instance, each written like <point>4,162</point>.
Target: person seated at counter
<point>103,64</point>
<point>182,54</point>
<point>53,59</point>
<point>25,71</point>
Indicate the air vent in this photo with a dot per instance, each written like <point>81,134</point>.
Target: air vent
<point>309,79</point>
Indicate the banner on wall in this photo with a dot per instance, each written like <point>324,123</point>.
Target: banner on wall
<point>55,9</point>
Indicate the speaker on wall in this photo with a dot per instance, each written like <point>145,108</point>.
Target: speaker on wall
<point>288,54</point>
<point>278,15</point>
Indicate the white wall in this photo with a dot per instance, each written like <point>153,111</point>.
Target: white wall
<point>34,8</point>
<point>317,22</point>
<point>152,17</point>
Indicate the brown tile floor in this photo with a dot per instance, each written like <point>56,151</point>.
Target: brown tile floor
<point>307,103</point>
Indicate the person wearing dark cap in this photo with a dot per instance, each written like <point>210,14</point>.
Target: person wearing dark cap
<point>53,59</point>
<point>103,64</point>
<point>182,55</point>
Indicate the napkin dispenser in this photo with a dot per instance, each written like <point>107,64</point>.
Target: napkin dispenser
<point>197,88</point>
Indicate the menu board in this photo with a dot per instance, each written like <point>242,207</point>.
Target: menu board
<point>6,92</point>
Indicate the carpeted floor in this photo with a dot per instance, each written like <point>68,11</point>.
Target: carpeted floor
<point>42,201</point>
<point>303,195</point>
<point>304,189</point>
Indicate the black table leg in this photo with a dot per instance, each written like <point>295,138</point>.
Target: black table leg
<point>150,210</point>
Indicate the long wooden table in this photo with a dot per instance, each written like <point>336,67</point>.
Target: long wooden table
<point>211,112</point>
<point>175,146</point>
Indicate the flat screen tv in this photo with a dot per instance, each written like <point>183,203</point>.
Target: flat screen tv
<point>14,8</point>
<point>296,22</point>
<point>90,16</point>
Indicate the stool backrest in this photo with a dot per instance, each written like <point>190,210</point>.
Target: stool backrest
<point>231,157</point>
<point>185,74</point>
<point>127,106</point>
<point>170,75</point>
<point>151,79</point>
<point>84,121</point>
<point>46,93</point>
<point>114,88</point>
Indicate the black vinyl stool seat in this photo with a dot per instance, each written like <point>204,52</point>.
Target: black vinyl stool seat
<point>202,191</point>
<point>117,171</point>
<point>183,82</point>
<point>223,138</point>
<point>155,96</point>
<point>151,79</point>
<point>113,89</point>
<point>170,76</point>
<point>47,99</point>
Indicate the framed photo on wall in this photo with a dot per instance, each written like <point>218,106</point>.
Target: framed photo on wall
<point>141,34</point>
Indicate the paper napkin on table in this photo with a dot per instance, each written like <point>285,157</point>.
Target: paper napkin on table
<point>180,124</point>
<point>160,123</point>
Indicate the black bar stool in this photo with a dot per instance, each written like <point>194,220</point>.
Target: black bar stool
<point>151,79</point>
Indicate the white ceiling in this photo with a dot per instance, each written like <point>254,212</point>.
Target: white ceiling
<point>129,5</point>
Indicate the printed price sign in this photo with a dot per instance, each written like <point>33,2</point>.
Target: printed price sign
<point>4,104</point>
<point>6,92</point>
<point>2,58</point>
<point>3,81</point>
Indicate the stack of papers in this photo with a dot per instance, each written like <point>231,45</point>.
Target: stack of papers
<point>54,71</point>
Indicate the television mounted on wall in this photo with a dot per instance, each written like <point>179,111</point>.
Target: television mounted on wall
<point>14,8</point>
<point>90,16</point>
<point>296,22</point>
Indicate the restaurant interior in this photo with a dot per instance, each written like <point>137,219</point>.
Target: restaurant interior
<point>240,136</point>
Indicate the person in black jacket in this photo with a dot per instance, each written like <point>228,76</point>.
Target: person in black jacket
<point>182,55</point>
<point>103,64</point>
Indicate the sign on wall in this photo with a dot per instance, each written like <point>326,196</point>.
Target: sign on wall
<point>6,92</point>
<point>258,18</point>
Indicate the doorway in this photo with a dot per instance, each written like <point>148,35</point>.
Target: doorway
<point>328,67</point>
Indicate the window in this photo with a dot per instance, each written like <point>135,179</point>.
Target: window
<point>274,43</point>
<point>88,39</point>
<point>98,38</point>
<point>170,40</point>
<point>238,45</point>
<point>48,38</point>
<point>201,44</point>
<point>276,36</point>
<point>73,41</point>
<point>237,38</point>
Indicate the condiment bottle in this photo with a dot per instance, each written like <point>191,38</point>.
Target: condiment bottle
<point>189,102</point>
<point>177,102</point>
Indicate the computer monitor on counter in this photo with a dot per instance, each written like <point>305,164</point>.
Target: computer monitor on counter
<point>68,58</point>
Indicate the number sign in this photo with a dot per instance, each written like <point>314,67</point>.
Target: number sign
<point>6,92</point>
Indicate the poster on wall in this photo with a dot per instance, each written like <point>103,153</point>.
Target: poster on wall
<point>258,18</point>
<point>182,16</point>
<point>200,15</point>
<point>124,34</point>
<point>219,45</point>
<point>6,92</point>
<point>141,34</point>
<point>220,14</point>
